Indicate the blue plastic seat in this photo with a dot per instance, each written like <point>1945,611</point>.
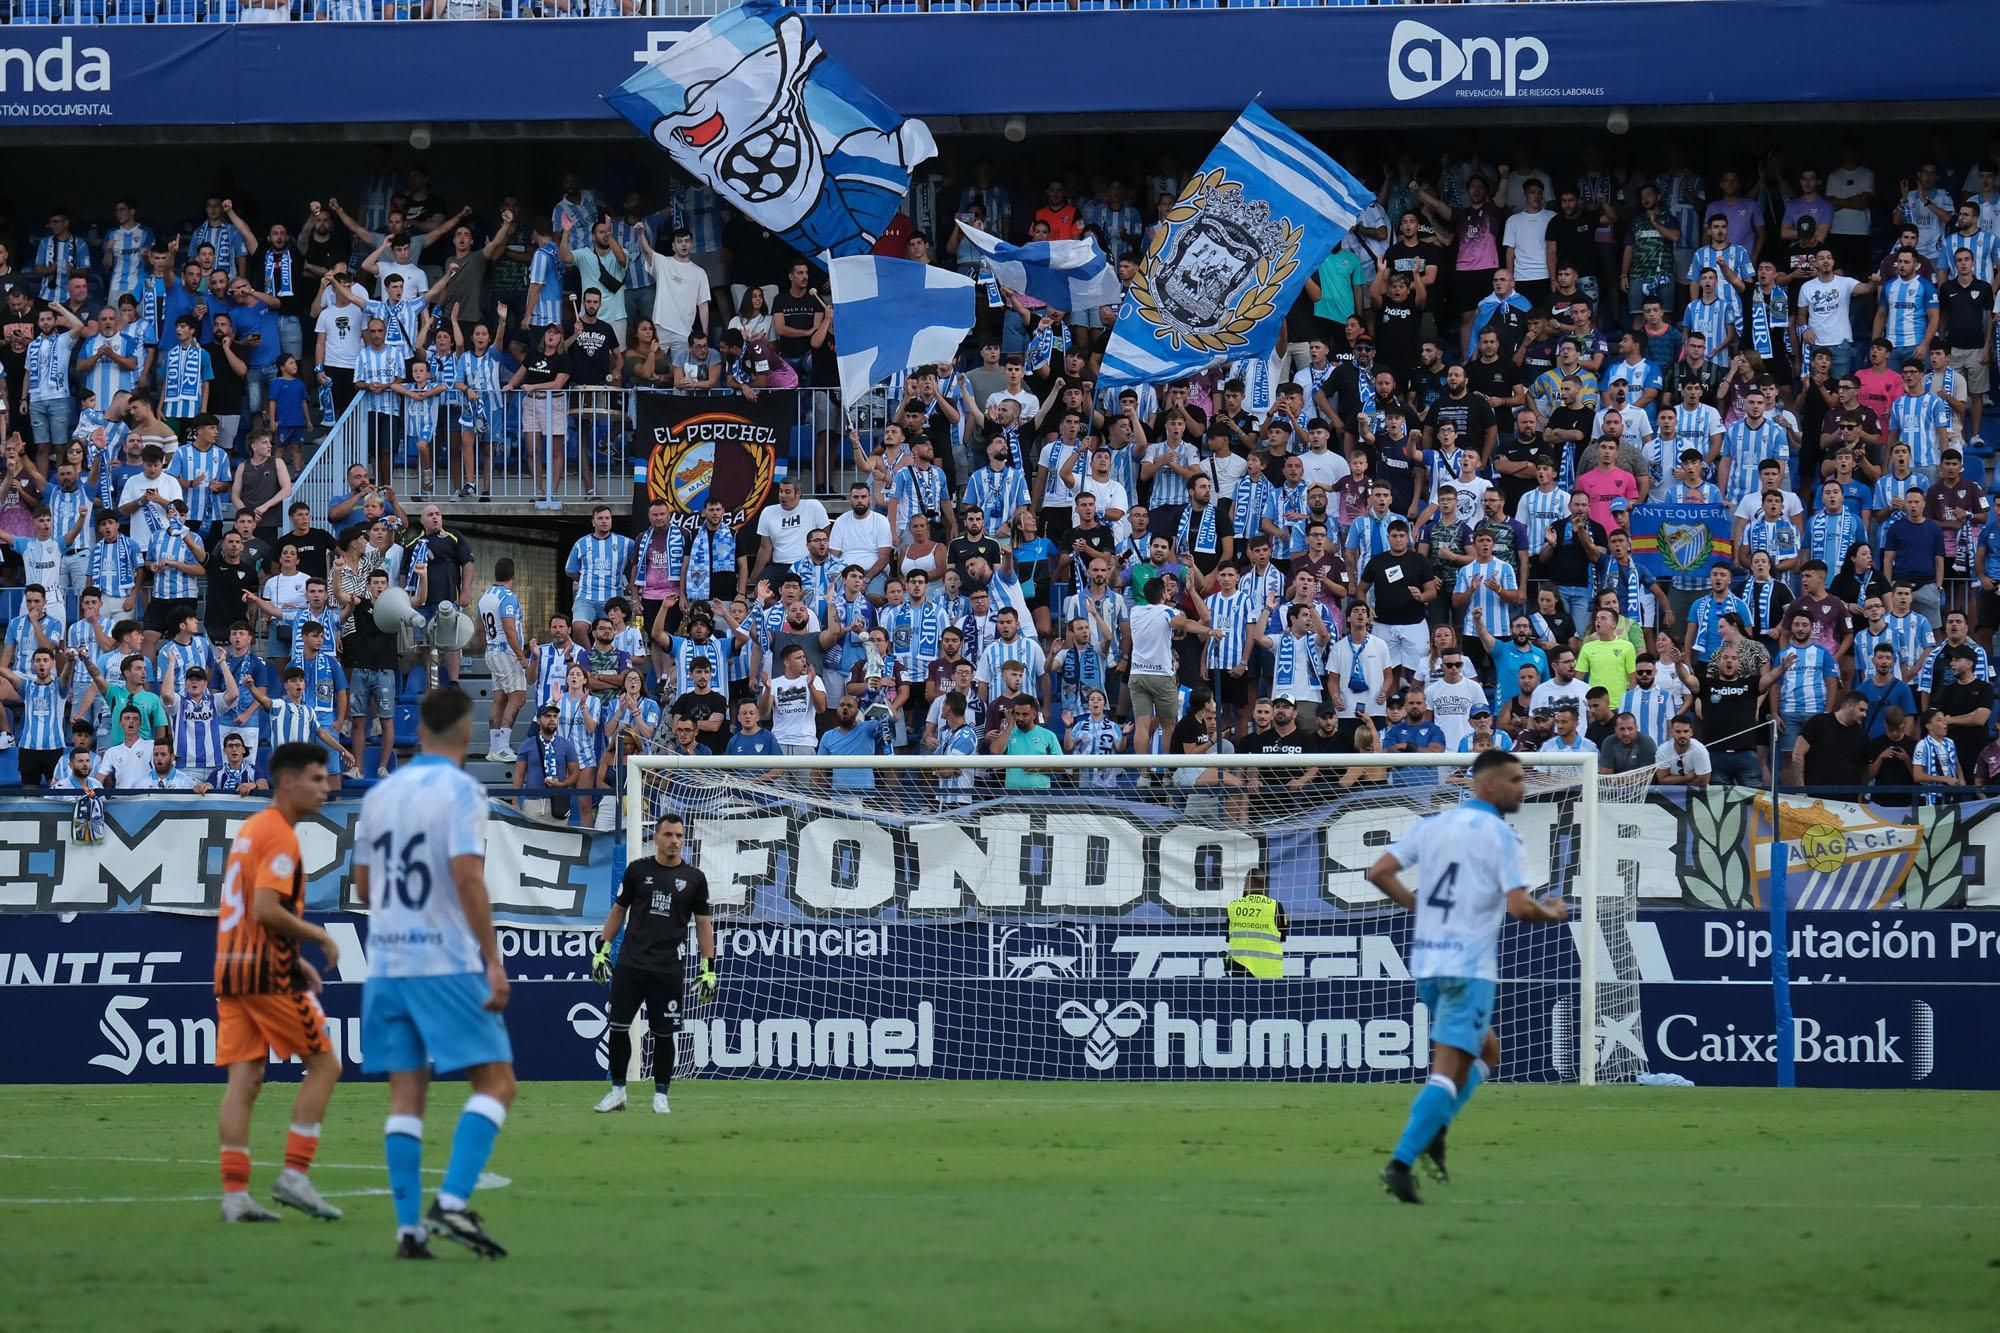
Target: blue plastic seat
<point>33,11</point>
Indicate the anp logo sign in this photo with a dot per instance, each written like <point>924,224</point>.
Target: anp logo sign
<point>1423,60</point>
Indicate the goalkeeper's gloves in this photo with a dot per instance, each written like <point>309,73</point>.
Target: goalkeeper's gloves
<point>600,962</point>
<point>706,982</point>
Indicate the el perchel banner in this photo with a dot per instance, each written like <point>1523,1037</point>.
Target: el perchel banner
<point>725,448</point>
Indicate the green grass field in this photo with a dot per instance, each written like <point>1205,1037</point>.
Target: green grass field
<point>955,1206</point>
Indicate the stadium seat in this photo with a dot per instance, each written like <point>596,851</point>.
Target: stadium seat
<point>129,11</point>
<point>1974,467</point>
<point>177,11</point>
<point>221,11</point>
<point>33,11</point>
<point>80,11</point>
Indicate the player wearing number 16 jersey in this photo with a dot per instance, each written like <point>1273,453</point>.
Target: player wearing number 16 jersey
<point>266,995</point>
<point>1470,864</point>
<point>436,984</point>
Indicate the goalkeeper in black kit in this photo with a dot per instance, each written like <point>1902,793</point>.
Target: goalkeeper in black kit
<point>657,899</point>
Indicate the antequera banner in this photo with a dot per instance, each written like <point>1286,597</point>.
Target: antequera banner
<point>1456,58</point>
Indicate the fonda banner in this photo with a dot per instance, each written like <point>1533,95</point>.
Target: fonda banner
<point>1680,539</point>
<point>692,449</point>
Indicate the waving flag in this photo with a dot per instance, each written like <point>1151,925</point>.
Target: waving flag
<point>891,314</point>
<point>751,104</point>
<point>1063,275</point>
<point>1669,539</point>
<point>1235,251</point>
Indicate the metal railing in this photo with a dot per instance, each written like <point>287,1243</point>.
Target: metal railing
<point>552,450</point>
<point>37,13</point>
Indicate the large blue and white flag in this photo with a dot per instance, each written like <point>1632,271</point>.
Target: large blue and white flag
<point>1064,275</point>
<point>750,103</point>
<point>891,314</point>
<point>1236,249</point>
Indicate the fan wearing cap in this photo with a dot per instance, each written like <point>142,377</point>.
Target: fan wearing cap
<point>1454,693</point>
<point>1481,734</point>
<point>546,769</point>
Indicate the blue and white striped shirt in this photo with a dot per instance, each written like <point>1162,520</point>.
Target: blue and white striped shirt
<point>686,652</point>
<point>380,365</point>
<point>1253,501</point>
<point>998,653</point>
<point>598,565</point>
<point>68,256</point>
<point>481,374</point>
<point>1776,535</point>
<point>1746,447</point>
<point>127,247</point>
<point>1910,635</point>
<point>1368,536</point>
<point>577,721</point>
<point>1653,708</point>
<point>107,377</point>
<point>1233,614</point>
<point>327,618</point>
<point>198,731</point>
<point>183,371</point>
<point>1985,249</point>
<point>223,236</point>
<point>996,494</point>
<point>196,469</point>
<point>1938,758</point>
<point>1715,320</point>
<point>547,269</point>
<point>177,659</point>
<point>1538,510</point>
<point>1923,421</point>
<point>1735,257</point>
<point>292,721</point>
<point>552,664</point>
<point>169,583</point>
<point>114,568</point>
<point>1169,486</point>
<point>1498,574</point>
<point>48,364</point>
<point>44,714</point>
<point>1906,303</point>
<point>1890,490</point>
<point>65,507</point>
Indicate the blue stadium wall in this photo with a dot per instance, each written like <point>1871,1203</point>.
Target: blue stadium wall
<point>1433,58</point>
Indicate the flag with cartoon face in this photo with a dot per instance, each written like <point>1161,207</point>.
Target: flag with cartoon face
<point>750,103</point>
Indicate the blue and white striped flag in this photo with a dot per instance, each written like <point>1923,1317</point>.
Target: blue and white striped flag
<point>751,104</point>
<point>1248,230</point>
<point>891,314</point>
<point>1064,275</point>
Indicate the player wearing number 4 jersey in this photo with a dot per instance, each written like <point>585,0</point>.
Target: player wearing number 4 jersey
<point>436,984</point>
<point>266,995</point>
<point>1470,862</point>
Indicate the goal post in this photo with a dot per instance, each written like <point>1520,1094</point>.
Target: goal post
<point>1010,916</point>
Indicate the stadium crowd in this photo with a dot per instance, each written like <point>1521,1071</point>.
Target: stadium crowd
<point>1408,530</point>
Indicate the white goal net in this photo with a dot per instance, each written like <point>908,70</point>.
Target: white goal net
<point>1063,918</point>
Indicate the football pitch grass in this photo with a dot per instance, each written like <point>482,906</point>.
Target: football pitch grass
<point>884,1206</point>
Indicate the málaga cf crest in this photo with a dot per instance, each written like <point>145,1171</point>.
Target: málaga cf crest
<point>1215,270</point>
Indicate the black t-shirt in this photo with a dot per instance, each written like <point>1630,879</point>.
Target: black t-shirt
<point>1729,713</point>
<point>1895,771</point>
<point>1955,699</point>
<point>1569,418</point>
<point>1098,539</point>
<point>1536,357</point>
<point>1836,756</point>
<point>659,900</point>
<point>963,549</point>
<point>541,369</point>
<point>1392,577</point>
<point>1498,378</point>
<point>225,391</point>
<point>1188,731</point>
<point>1401,258</point>
<point>800,310</point>
<point>698,708</point>
<point>369,647</point>
<point>315,548</point>
<point>1567,565</point>
<point>1576,242</point>
<point>226,585</point>
<point>1471,414</point>
<point>1399,334</point>
<point>446,555</point>
<point>1388,464</point>
<point>593,353</point>
<point>1519,449</point>
<point>1426,387</point>
<point>1962,312</point>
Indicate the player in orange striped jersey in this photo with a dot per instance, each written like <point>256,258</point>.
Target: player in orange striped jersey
<point>266,994</point>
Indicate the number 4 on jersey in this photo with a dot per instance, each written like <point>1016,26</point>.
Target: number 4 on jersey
<point>1440,894</point>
